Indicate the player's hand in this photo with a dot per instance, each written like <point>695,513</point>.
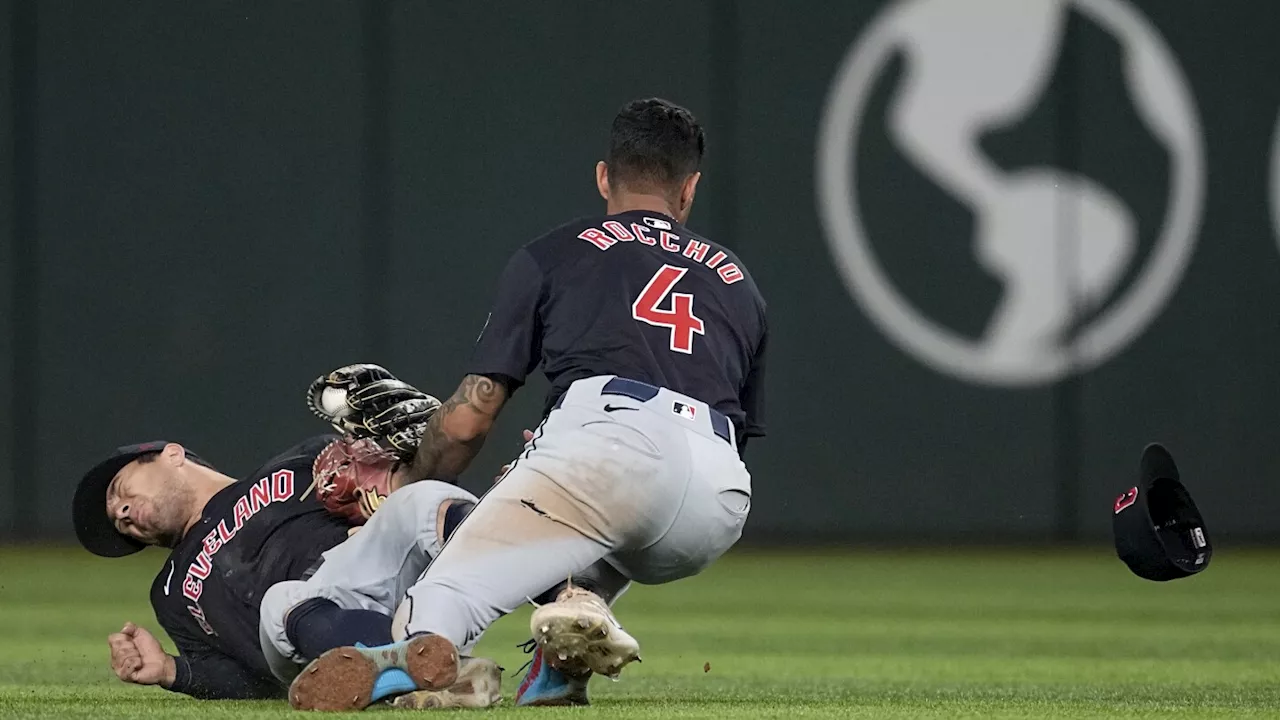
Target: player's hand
<point>528,435</point>
<point>136,657</point>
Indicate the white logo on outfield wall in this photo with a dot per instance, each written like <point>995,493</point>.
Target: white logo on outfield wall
<point>981,65</point>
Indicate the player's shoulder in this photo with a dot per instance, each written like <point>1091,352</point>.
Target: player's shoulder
<point>546,248</point>
<point>731,259</point>
<point>564,234</point>
<point>700,250</point>
<point>559,246</point>
<point>176,595</point>
<point>166,588</point>
<point>298,457</point>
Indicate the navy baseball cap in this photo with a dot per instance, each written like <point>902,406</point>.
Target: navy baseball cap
<point>94,529</point>
<point>1159,532</point>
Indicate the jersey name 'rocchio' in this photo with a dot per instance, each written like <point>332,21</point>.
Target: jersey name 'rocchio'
<point>612,232</point>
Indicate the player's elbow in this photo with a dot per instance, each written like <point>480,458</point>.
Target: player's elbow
<point>466,427</point>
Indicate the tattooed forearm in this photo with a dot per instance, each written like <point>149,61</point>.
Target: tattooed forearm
<point>457,431</point>
<point>480,394</point>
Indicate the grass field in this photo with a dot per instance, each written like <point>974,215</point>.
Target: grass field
<point>873,634</point>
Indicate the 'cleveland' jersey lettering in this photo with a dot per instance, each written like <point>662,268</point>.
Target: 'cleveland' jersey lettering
<point>276,488</point>
<point>254,533</point>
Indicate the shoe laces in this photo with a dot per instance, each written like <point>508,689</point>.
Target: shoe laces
<point>529,647</point>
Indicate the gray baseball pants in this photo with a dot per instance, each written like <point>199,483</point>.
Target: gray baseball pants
<point>648,480</point>
<point>371,570</point>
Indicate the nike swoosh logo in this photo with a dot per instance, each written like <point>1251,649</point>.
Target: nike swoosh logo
<point>611,408</point>
<point>169,579</point>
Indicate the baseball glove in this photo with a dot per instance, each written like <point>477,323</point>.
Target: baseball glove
<point>353,477</point>
<point>367,401</point>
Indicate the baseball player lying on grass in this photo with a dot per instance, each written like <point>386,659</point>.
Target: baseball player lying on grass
<point>265,574</point>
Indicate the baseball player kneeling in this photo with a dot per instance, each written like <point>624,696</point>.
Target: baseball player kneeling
<point>653,339</point>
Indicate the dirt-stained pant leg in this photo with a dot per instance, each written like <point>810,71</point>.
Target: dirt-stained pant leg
<point>593,484</point>
<point>371,570</point>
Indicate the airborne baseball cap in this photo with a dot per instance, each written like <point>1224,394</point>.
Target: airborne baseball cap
<point>1159,532</point>
<point>94,529</point>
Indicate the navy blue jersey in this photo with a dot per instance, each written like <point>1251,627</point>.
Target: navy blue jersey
<point>267,528</point>
<point>636,295</point>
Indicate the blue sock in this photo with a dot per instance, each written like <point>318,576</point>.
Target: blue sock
<point>318,624</point>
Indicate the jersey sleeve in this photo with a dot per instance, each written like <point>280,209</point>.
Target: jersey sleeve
<point>510,343</point>
<point>210,675</point>
<point>205,673</point>
<point>752,395</point>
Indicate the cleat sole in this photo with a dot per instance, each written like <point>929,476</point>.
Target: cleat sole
<point>344,678</point>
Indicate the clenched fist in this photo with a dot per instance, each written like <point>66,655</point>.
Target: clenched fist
<point>136,657</point>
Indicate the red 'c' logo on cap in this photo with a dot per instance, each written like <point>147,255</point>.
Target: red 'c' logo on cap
<point>1128,498</point>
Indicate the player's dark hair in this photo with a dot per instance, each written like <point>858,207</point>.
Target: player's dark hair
<point>149,457</point>
<point>654,143</point>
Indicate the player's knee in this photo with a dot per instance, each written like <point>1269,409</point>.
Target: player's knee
<point>418,500</point>
<point>273,615</point>
<point>277,601</point>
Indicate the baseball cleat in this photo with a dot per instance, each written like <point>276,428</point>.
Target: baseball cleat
<point>353,677</point>
<point>479,685</point>
<point>544,685</point>
<point>578,633</point>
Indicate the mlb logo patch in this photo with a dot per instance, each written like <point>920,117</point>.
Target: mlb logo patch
<point>657,223</point>
<point>688,412</point>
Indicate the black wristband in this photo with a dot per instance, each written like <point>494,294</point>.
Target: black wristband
<point>181,675</point>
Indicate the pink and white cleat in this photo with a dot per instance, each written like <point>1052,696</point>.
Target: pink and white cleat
<point>578,632</point>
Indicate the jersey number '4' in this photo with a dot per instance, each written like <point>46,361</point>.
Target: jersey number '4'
<point>679,317</point>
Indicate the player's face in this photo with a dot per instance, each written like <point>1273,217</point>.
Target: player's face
<point>149,502</point>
